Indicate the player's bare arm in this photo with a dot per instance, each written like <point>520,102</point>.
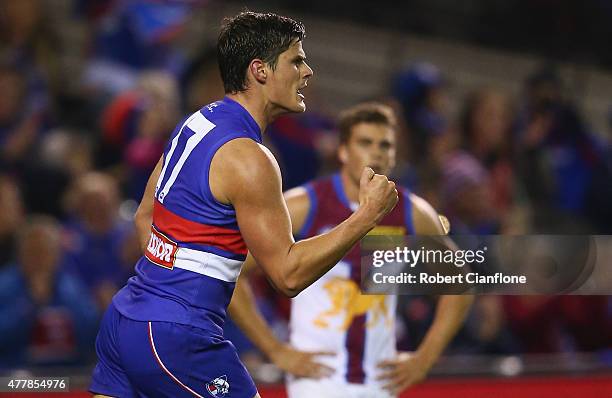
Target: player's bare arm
<point>409,369</point>
<point>247,316</point>
<point>253,187</point>
<point>144,214</point>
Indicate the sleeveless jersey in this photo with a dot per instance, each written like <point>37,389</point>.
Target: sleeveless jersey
<point>195,251</point>
<point>331,314</point>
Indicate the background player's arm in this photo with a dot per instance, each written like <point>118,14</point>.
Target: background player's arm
<point>410,368</point>
<point>246,175</point>
<point>451,309</point>
<point>246,315</point>
<point>144,214</point>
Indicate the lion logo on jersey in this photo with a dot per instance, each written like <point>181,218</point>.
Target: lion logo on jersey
<point>346,299</point>
<point>218,387</point>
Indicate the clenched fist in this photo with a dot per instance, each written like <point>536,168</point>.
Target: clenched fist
<point>377,195</point>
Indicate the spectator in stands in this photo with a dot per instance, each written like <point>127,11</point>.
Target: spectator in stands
<point>11,218</point>
<point>22,115</point>
<point>68,151</point>
<point>588,321</point>
<point>28,40</point>
<point>132,36</point>
<point>561,163</point>
<point>62,156</point>
<point>553,324</point>
<point>298,142</point>
<point>422,92</point>
<point>467,195</point>
<point>95,235</point>
<point>533,320</point>
<point>48,316</point>
<point>136,125</point>
<point>201,81</point>
<point>486,134</point>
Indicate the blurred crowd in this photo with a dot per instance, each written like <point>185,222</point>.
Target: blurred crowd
<point>77,145</point>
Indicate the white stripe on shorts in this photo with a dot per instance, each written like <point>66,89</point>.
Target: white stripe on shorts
<point>164,366</point>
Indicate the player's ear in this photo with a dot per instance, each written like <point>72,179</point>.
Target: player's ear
<point>257,69</point>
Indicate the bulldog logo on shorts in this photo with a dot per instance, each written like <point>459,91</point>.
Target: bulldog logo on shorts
<point>218,387</point>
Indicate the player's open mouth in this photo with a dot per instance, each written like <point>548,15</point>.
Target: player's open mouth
<point>299,93</point>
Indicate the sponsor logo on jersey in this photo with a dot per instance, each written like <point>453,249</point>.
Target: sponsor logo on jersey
<point>218,387</point>
<point>161,250</point>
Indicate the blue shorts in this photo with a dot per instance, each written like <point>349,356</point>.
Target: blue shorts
<point>165,359</point>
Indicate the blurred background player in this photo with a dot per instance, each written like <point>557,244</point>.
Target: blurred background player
<point>354,334</point>
<point>216,192</point>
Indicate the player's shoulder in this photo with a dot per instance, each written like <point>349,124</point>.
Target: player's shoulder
<point>242,169</point>
<point>303,201</point>
<point>244,158</point>
<point>298,200</point>
<point>308,191</point>
<point>297,193</point>
<point>426,219</point>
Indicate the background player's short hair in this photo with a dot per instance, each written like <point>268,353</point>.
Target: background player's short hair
<point>250,35</point>
<point>367,112</point>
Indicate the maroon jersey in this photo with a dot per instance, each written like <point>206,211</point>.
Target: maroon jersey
<point>332,314</point>
<point>329,206</point>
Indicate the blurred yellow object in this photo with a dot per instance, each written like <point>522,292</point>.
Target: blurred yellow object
<point>445,223</point>
<point>387,230</point>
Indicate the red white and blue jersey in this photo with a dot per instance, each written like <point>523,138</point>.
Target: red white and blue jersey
<point>195,251</point>
<point>332,314</point>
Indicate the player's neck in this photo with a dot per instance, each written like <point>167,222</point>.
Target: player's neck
<point>254,106</point>
<point>351,189</point>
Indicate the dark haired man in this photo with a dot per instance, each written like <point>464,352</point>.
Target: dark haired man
<point>216,192</point>
<point>331,316</point>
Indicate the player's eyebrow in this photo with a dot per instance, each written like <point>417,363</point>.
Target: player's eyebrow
<point>385,143</point>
